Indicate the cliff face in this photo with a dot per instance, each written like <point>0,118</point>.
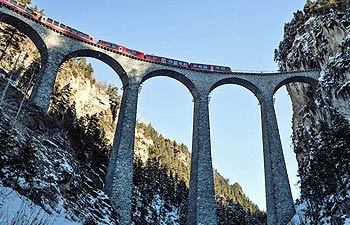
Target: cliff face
<point>320,39</point>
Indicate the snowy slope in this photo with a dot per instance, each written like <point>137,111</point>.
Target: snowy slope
<point>17,209</point>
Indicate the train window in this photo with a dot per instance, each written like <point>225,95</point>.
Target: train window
<point>86,36</point>
<point>223,68</point>
<point>205,67</point>
<point>62,26</point>
<point>176,62</point>
<point>49,20</point>
<point>28,10</point>
<point>56,23</point>
<point>200,66</point>
<point>132,52</point>
<point>13,2</point>
<point>21,6</point>
<point>114,46</point>
<point>170,61</point>
<point>69,29</point>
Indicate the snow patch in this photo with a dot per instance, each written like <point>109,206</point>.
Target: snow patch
<point>17,209</point>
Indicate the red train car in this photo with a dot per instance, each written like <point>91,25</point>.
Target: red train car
<point>221,68</point>
<point>175,62</point>
<point>172,62</point>
<point>110,45</point>
<point>212,68</point>
<point>153,58</point>
<point>22,8</point>
<point>133,52</point>
<point>66,29</point>
<point>122,49</point>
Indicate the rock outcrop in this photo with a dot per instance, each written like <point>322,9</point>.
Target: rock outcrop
<point>319,38</point>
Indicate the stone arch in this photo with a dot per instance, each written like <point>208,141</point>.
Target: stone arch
<point>30,32</point>
<point>293,79</point>
<point>241,82</point>
<point>114,64</point>
<point>175,75</point>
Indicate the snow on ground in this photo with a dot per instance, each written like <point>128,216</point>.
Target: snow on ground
<point>347,221</point>
<point>299,217</point>
<point>19,210</point>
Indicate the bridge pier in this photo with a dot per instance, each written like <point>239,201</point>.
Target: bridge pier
<point>119,176</point>
<point>201,200</point>
<point>44,85</point>
<point>279,201</point>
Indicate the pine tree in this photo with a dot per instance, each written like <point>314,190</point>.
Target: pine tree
<point>10,38</point>
<point>30,74</point>
<point>25,2</point>
<point>308,8</point>
<point>114,100</point>
<point>326,168</point>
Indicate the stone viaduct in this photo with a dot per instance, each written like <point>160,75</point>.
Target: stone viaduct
<point>56,48</point>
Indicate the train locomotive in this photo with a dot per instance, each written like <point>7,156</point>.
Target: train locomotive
<point>71,32</point>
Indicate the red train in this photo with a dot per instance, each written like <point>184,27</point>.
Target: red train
<point>22,8</point>
<point>29,12</point>
<point>66,29</point>
<point>60,27</point>
<point>210,67</point>
<point>121,49</point>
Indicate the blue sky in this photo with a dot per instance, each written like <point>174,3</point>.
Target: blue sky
<point>239,34</point>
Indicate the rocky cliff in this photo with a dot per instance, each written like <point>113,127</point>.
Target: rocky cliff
<point>319,38</point>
